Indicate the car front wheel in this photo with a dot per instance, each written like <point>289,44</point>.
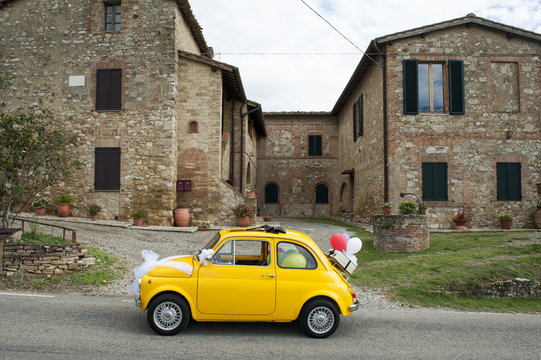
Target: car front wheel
<point>319,318</point>
<point>168,314</point>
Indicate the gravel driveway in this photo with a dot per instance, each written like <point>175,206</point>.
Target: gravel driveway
<point>127,242</point>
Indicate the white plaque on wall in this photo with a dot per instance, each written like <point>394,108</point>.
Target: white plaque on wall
<point>77,80</point>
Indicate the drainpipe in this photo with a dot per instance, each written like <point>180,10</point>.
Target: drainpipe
<point>385,127</point>
<point>232,150</point>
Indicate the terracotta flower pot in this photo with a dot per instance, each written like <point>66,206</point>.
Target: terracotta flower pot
<point>244,221</point>
<point>94,217</point>
<point>250,194</point>
<point>63,210</point>
<point>182,217</point>
<point>137,221</point>
<point>460,224</point>
<point>17,209</point>
<point>506,223</point>
<point>40,211</point>
<point>203,228</point>
<point>387,210</point>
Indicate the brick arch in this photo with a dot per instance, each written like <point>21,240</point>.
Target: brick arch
<point>271,208</point>
<point>322,210</point>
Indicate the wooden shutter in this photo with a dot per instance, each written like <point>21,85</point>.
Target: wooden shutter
<point>271,194</point>
<point>109,89</point>
<point>456,87</point>
<point>354,121</point>
<point>107,169</point>
<point>322,194</point>
<point>435,181</point>
<point>411,87</point>
<point>314,145</point>
<point>509,181</point>
<point>361,116</point>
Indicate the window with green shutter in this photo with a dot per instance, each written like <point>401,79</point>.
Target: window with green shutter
<point>425,91</point>
<point>509,181</point>
<point>314,145</point>
<point>435,181</point>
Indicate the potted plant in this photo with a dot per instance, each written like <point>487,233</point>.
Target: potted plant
<point>250,193</point>
<point>460,221</point>
<point>425,207</point>
<point>243,213</point>
<point>64,201</point>
<point>94,210</point>
<point>40,206</point>
<point>267,218</point>
<point>205,225</point>
<point>138,217</point>
<point>538,215</point>
<point>387,207</point>
<point>407,207</point>
<point>17,207</point>
<point>506,221</point>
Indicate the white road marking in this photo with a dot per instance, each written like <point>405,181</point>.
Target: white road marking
<point>27,295</point>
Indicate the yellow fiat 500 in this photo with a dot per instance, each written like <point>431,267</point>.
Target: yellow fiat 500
<point>258,274</point>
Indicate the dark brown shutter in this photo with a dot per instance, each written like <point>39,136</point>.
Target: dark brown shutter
<point>411,87</point>
<point>100,169</point>
<point>107,169</point>
<point>109,89</point>
<point>354,121</point>
<point>114,169</point>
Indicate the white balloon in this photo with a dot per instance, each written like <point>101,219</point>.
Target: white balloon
<point>354,245</point>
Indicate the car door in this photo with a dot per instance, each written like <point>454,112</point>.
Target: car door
<point>240,279</point>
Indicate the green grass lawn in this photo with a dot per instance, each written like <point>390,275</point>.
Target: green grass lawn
<point>454,263</point>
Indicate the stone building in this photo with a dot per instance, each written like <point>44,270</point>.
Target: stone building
<point>160,124</point>
<point>449,112</point>
<point>298,161</point>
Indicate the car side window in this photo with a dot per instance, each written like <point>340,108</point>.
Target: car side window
<point>294,256</point>
<point>243,252</point>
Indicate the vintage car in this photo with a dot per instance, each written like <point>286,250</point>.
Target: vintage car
<point>258,274</point>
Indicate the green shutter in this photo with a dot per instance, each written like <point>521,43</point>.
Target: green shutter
<point>440,180</point>
<point>428,181</point>
<point>456,87</point>
<point>361,116</point>
<point>354,122</point>
<point>411,87</point>
<point>501,179</point>
<point>509,181</point>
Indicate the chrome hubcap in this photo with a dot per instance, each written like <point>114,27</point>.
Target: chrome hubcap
<point>320,320</point>
<point>167,316</point>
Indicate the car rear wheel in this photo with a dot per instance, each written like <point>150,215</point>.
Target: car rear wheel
<point>319,318</point>
<point>168,314</point>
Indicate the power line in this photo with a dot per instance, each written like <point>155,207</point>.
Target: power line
<point>288,53</point>
<point>338,31</point>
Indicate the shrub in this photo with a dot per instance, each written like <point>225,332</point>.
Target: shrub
<point>407,207</point>
<point>64,199</point>
<point>506,217</point>
<point>40,203</point>
<point>94,209</point>
<point>139,215</point>
<point>242,210</point>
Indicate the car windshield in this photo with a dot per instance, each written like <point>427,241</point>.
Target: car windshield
<point>212,242</point>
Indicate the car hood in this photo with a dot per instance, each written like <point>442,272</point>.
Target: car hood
<point>181,266</point>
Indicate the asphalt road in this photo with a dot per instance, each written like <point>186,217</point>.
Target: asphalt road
<point>47,326</point>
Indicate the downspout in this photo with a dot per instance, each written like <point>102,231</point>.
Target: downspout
<point>232,150</point>
<point>385,127</point>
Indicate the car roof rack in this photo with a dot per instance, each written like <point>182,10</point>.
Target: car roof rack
<point>269,229</point>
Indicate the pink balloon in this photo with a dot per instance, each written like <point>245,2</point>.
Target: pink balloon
<point>339,242</point>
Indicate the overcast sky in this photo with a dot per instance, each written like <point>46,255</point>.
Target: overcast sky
<point>248,34</point>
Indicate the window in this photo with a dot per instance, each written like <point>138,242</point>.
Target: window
<point>358,118</point>
<point>109,89</point>
<point>294,256</point>
<point>322,194</point>
<point>425,91</point>
<point>107,169</point>
<point>435,181</point>
<point>112,17</point>
<point>271,194</point>
<point>314,145</point>
<point>509,181</point>
<point>243,252</point>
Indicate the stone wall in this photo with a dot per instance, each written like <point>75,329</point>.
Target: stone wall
<point>283,159</point>
<point>501,124</point>
<point>38,259</point>
<point>58,39</point>
<point>361,160</point>
<point>401,233</point>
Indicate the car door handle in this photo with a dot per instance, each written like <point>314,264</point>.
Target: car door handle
<point>269,275</point>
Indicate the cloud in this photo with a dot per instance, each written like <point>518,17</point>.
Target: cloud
<point>293,82</point>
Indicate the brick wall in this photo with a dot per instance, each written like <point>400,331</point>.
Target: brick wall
<point>401,233</point>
